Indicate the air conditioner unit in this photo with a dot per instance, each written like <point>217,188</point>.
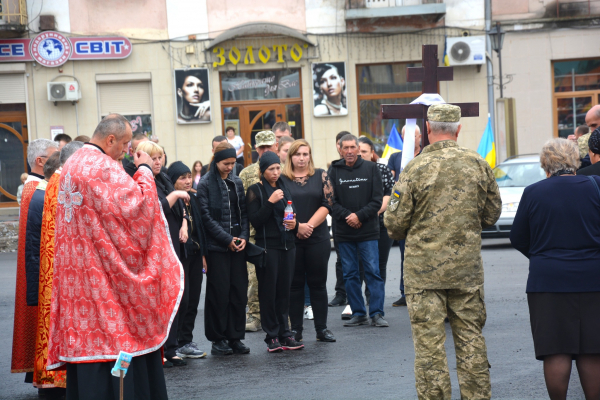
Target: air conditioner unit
<point>63,91</point>
<point>469,50</point>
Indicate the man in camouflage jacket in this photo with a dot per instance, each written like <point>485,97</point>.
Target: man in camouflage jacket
<point>264,141</point>
<point>443,199</point>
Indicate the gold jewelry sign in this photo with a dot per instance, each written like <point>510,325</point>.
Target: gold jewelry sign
<point>263,54</point>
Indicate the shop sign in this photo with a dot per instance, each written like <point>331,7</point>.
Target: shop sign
<point>263,54</point>
<point>52,49</point>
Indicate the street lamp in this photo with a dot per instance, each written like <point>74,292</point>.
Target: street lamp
<point>497,39</point>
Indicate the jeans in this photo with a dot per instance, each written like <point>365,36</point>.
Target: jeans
<point>368,252</point>
<point>401,244</point>
<point>384,244</point>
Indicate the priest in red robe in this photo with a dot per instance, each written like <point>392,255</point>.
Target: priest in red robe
<point>117,281</point>
<point>43,378</point>
<point>25,325</point>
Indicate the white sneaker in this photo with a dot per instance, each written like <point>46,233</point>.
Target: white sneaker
<point>308,313</point>
<point>347,313</point>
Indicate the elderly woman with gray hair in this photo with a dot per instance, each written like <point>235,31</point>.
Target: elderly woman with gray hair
<point>557,226</point>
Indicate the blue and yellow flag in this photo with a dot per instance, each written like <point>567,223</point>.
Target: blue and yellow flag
<point>487,147</point>
<point>394,143</point>
<point>446,59</point>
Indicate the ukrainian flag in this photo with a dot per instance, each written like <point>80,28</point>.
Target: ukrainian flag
<point>487,147</point>
<point>446,60</point>
<point>394,143</point>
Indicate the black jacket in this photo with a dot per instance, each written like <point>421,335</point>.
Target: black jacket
<point>32,246</point>
<point>196,236</point>
<point>218,235</point>
<point>593,169</point>
<point>357,189</point>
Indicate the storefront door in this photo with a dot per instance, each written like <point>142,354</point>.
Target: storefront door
<point>13,154</point>
<point>254,119</point>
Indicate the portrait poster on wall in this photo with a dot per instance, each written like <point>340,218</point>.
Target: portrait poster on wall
<point>193,96</point>
<point>329,89</point>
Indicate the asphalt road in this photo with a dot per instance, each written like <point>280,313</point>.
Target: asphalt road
<point>366,362</point>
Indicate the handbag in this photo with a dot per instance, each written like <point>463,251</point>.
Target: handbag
<point>255,254</point>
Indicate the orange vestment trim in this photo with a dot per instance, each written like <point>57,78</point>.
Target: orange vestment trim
<point>41,377</point>
<point>23,349</point>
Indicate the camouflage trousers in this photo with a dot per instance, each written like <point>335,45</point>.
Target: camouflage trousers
<point>253,306</point>
<point>466,312</point>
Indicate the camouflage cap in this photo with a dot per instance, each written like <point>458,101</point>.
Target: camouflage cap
<point>443,113</point>
<point>265,138</point>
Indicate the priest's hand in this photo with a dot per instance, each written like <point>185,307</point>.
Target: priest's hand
<point>141,157</point>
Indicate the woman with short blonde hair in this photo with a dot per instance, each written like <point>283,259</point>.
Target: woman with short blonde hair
<point>150,148</point>
<point>557,226</point>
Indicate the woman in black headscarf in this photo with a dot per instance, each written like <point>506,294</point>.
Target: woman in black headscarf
<point>267,201</point>
<point>223,208</point>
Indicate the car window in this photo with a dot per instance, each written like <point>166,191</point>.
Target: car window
<point>518,175</point>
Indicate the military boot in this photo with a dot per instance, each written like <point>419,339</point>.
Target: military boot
<point>253,323</point>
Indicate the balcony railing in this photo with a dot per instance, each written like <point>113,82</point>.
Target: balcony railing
<point>362,9</point>
<point>577,8</point>
<point>357,4</point>
<point>13,15</point>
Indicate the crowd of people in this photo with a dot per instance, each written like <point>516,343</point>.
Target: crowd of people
<point>114,244</point>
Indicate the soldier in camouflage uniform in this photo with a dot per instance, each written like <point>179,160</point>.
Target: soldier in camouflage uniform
<point>264,141</point>
<point>443,199</point>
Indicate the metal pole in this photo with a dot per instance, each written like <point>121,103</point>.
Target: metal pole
<point>489,64</point>
<point>500,72</point>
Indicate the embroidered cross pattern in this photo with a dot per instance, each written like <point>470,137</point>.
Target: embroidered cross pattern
<point>68,197</point>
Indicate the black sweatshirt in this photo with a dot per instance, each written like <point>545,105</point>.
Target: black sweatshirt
<point>262,216</point>
<point>357,189</point>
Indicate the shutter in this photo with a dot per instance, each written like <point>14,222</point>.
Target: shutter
<point>125,98</point>
<point>13,88</point>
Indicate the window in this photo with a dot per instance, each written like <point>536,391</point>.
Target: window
<point>576,90</point>
<point>383,84</point>
<point>129,95</point>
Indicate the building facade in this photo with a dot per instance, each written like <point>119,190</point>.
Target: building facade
<point>185,70</point>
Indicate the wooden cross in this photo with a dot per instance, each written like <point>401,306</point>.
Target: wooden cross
<point>430,74</point>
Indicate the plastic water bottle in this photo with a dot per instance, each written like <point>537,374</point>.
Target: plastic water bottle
<point>288,214</point>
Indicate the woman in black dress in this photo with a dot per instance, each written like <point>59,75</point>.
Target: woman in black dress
<point>223,208</point>
<point>172,202</point>
<point>313,195</point>
<point>267,201</point>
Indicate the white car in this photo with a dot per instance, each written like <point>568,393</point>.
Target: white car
<point>513,176</point>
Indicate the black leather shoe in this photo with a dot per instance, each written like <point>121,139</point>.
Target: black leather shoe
<point>357,320</point>
<point>238,347</point>
<point>338,301</point>
<point>176,362</point>
<point>400,302</point>
<point>325,336</point>
<point>221,348</point>
<point>297,334</point>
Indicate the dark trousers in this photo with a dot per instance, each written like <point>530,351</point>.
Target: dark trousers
<point>188,309</point>
<point>384,244</point>
<point>93,381</point>
<point>171,345</point>
<point>340,289</point>
<point>311,269</point>
<point>401,244</point>
<point>226,296</point>
<point>274,281</point>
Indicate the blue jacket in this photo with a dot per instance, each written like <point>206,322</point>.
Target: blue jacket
<point>32,246</point>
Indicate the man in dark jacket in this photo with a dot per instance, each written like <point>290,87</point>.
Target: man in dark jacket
<point>358,193</point>
<point>594,154</point>
<point>34,231</point>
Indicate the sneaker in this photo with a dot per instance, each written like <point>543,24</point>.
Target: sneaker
<point>190,350</point>
<point>221,348</point>
<point>357,320</point>
<point>289,343</point>
<point>347,313</point>
<point>253,324</point>
<point>238,347</point>
<point>308,313</point>
<point>325,336</point>
<point>337,301</point>
<point>400,302</point>
<point>378,321</point>
<point>273,346</point>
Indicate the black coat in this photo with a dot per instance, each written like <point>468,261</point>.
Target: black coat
<point>357,189</point>
<point>32,246</point>
<point>218,235</point>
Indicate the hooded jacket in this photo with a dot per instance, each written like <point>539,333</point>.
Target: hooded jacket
<point>357,189</point>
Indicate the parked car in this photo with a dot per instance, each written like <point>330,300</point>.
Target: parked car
<point>513,176</point>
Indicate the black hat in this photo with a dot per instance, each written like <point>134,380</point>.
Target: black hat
<point>594,141</point>
<point>267,159</point>
<point>176,170</point>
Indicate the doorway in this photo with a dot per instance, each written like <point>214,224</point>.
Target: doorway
<point>13,152</point>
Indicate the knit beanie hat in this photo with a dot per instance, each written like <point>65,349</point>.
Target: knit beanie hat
<point>269,158</point>
<point>176,170</point>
